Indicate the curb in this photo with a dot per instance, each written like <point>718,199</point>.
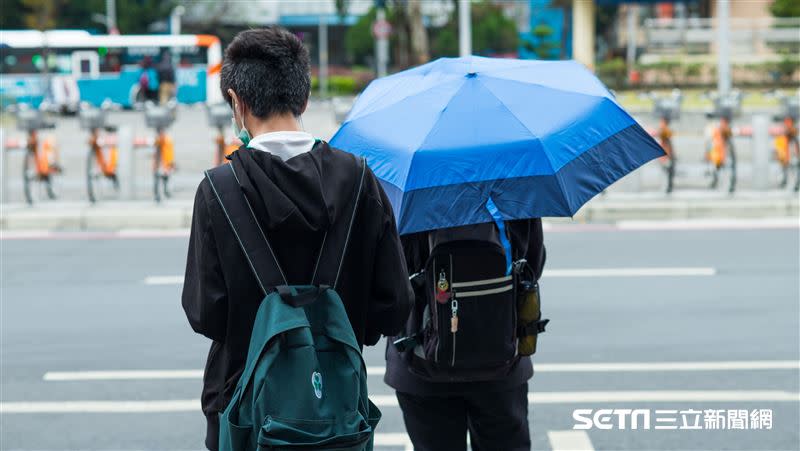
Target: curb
<point>178,214</point>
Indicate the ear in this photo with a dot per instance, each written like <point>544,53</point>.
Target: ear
<point>235,100</point>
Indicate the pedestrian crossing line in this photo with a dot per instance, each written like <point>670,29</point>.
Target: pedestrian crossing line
<point>630,272</point>
<point>569,441</point>
<point>547,274</point>
<point>578,397</point>
<point>599,367</point>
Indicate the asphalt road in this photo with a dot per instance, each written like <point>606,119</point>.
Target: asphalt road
<point>78,304</point>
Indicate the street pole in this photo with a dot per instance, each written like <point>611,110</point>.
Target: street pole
<point>723,47</point>
<point>381,46</point>
<point>583,32</point>
<point>175,19</point>
<point>464,28</point>
<point>111,17</point>
<point>631,53</point>
<point>323,57</point>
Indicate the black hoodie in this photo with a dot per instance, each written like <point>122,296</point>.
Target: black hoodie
<point>295,201</point>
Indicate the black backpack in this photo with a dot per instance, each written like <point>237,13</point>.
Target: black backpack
<point>466,327</point>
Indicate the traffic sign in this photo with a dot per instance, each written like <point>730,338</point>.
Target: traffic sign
<point>381,29</point>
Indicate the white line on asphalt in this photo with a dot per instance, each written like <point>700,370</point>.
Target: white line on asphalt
<point>578,397</point>
<point>709,224</point>
<point>630,272</point>
<point>551,273</point>
<point>587,397</point>
<point>163,280</point>
<point>569,441</point>
<point>121,375</point>
<point>153,233</point>
<point>606,367</point>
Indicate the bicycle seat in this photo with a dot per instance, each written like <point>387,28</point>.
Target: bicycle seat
<point>110,128</point>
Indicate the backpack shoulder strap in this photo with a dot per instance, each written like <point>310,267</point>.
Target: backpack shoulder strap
<point>336,239</point>
<point>246,229</point>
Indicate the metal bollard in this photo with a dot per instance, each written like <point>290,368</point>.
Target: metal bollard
<point>128,169</point>
<point>761,152</point>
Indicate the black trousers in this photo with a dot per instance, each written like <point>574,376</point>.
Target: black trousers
<point>496,421</point>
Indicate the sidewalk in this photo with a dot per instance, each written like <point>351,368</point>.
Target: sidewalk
<point>80,216</point>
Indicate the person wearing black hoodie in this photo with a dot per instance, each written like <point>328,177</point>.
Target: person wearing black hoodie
<point>297,187</point>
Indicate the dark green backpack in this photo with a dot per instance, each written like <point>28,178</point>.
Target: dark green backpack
<point>304,385</point>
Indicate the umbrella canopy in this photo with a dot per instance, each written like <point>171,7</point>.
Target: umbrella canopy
<point>463,141</point>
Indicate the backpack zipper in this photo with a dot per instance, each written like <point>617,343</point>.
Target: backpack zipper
<point>454,326</point>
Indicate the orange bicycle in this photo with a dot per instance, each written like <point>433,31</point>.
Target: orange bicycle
<point>720,152</point>
<point>785,143</point>
<point>101,161</point>
<point>41,156</point>
<point>219,116</point>
<point>160,117</point>
<point>666,108</point>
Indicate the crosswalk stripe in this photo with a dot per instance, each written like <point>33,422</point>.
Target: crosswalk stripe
<point>577,397</point>
<point>548,273</point>
<point>598,367</point>
<point>569,441</point>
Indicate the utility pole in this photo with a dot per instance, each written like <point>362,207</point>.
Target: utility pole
<point>464,28</point>
<point>323,56</point>
<point>723,47</point>
<point>111,17</point>
<point>631,53</point>
<point>583,39</point>
<point>381,30</point>
<point>175,19</point>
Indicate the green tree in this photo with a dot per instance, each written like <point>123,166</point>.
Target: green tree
<point>492,32</point>
<point>785,8</point>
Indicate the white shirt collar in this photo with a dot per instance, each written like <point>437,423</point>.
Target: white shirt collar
<point>283,144</point>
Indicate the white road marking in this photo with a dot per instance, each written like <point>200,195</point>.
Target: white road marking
<point>587,397</point>
<point>153,233</point>
<point>548,273</point>
<point>163,280</point>
<point>569,441</point>
<point>579,397</point>
<point>629,272</point>
<point>709,224</point>
<point>121,375</point>
<point>601,367</point>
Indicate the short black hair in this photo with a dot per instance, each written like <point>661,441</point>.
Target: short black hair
<point>269,70</point>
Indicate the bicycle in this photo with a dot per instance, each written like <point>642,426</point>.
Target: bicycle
<point>666,109</point>
<point>101,160</point>
<point>786,143</point>
<point>160,117</point>
<point>41,157</point>
<point>219,116</point>
<point>720,152</point>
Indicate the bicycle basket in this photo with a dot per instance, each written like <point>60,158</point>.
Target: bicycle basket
<point>91,118</point>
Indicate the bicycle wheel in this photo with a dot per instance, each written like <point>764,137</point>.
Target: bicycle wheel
<point>157,174</point>
<point>99,186</point>
<point>732,167</point>
<point>29,176</point>
<point>795,145</point>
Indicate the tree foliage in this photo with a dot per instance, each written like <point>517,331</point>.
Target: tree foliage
<point>133,16</point>
<point>785,8</point>
<point>492,32</point>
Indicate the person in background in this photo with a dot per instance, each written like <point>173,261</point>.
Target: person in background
<point>148,81</point>
<point>459,274</point>
<point>166,78</point>
<point>298,187</point>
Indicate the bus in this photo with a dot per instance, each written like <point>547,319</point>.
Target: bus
<point>66,67</point>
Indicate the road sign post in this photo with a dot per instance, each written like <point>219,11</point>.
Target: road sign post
<point>381,29</point>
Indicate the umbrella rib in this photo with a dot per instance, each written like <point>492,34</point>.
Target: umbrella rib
<point>547,157</point>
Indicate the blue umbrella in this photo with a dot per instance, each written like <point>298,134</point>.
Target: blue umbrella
<point>470,140</point>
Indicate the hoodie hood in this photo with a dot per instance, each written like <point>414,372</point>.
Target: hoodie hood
<point>304,193</point>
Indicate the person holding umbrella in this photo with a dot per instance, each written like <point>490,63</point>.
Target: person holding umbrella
<point>472,152</point>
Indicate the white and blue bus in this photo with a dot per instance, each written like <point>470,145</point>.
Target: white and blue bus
<point>65,67</point>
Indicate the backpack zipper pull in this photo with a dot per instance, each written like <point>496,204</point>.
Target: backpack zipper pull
<point>454,318</point>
